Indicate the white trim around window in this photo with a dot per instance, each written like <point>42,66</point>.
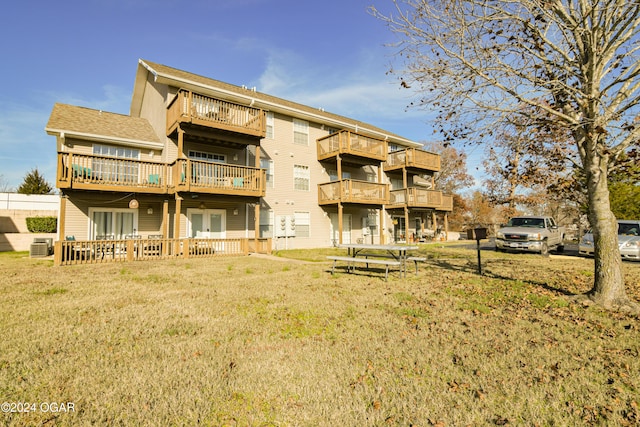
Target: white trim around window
<point>300,132</point>
<point>301,178</point>
<point>117,223</point>
<point>267,164</point>
<point>270,125</point>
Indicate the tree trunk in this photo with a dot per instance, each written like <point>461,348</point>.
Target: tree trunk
<point>608,287</point>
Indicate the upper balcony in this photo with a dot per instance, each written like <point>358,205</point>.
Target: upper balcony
<point>356,146</point>
<point>413,159</point>
<point>100,173</point>
<point>212,113</point>
<point>419,198</point>
<point>352,191</point>
<point>219,178</point>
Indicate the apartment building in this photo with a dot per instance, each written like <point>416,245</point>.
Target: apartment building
<point>203,159</point>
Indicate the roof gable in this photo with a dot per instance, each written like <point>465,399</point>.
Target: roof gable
<point>71,119</point>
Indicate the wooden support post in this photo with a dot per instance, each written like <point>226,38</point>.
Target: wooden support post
<point>383,215</point>
<point>165,225</point>
<point>256,219</point>
<point>406,224</point>
<point>446,226</point>
<point>180,143</point>
<point>176,225</point>
<point>164,228</point>
<point>62,217</point>
<point>340,223</point>
<point>434,220</point>
<point>256,212</point>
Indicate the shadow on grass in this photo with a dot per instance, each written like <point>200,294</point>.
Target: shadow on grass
<point>466,265</point>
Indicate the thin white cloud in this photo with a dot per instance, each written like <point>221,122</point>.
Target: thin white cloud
<point>358,89</point>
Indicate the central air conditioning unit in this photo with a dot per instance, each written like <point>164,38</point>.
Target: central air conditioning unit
<point>38,250</point>
<point>47,240</point>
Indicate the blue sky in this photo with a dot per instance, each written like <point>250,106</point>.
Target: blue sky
<point>328,54</point>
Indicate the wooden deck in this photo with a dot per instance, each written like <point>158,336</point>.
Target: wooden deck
<point>123,250</point>
<point>419,198</point>
<point>413,159</point>
<point>90,172</point>
<point>196,109</point>
<point>353,191</point>
<point>348,143</point>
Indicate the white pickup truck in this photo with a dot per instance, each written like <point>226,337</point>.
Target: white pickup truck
<point>538,234</point>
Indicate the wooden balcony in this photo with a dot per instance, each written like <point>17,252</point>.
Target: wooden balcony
<point>419,198</point>
<point>91,172</point>
<point>218,178</point>
<point>352,144</point>
<point>447,203</point>
<point>122,250</point>
<point>351,191</point>
<point>413,159</point>
<point>212,113</point>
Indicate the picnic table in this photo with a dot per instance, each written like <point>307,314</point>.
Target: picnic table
<point>396,255</point>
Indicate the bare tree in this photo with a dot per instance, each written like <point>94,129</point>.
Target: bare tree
<point>528,164</point>
<point>576,61</point>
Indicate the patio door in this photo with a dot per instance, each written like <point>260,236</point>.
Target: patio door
<point>112,223</point>
<point>335,229</point>
<point>207,223</point>
<point>399,229</point>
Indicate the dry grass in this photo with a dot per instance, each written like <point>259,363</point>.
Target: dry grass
<point>252,341</point>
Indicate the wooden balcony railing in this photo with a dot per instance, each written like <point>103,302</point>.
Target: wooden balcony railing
<point>218,178</point>
<point>350,143</point>
<point>447,203</point>
<point>413,158</point>
<point>214,113</point>
<point>89,172</point>
<point>103,251</point>
<point>415,198</point>
<point>92,172</point>
<point>351,191</point>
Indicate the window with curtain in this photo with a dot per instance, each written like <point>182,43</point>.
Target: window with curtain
<point>116,223</point>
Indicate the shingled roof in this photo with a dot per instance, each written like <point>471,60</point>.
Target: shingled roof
<point>73,120</point>
<point>180,76</point>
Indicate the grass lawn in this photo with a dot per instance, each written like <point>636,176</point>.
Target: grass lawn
<point>255,341</point>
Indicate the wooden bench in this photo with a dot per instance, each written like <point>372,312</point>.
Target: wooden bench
<point>416,260</point>
<point>352,260</point>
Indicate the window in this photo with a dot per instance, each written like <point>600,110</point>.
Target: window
<point>266,223</point>
<point>303,222</point>
<point>333,175</point>
<point>397,184</point>
<point>300,132</point>
<point>270,124</point>
<point>207,157</point>
<point>118,169</point>
<point>113,151</point>
<point>268,165</point>
<point>117,223</point>
<point>301,177</point>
